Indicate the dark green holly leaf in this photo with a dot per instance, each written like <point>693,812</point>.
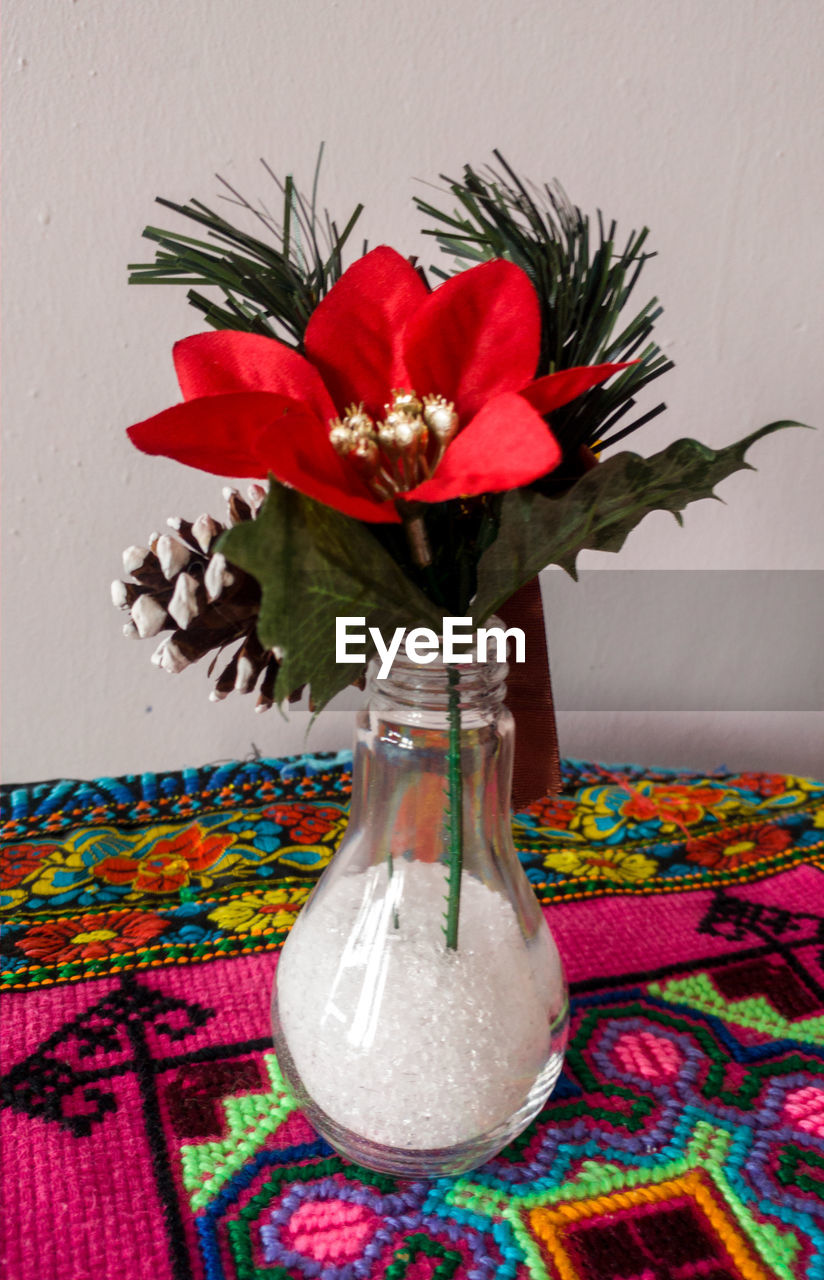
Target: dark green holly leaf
<point>314,565</point>
<point>599,511</point>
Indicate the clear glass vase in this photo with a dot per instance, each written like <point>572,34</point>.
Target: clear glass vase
<point>414,1050</point>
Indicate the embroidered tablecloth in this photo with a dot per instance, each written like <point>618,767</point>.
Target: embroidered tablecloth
<point>147,1132</point>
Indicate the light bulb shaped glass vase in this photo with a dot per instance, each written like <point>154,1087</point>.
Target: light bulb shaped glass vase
<point>419,1008</point>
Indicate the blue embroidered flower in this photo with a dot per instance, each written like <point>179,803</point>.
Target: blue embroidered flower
<point>191,934</point>
<point>265,835</point>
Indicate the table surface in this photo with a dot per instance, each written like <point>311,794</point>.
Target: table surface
<point>147,1132</point>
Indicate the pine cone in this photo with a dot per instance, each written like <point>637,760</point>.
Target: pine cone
<point>179,584</point>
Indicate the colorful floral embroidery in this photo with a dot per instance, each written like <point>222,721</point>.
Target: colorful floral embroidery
<point>257,913</point>
<point>610,813</point>
<point>65,877</point>
<point>672,806</point>
<point>761,784</point>
<point>602,864</point>
<point>90,937</point>
<point>739,846</point>
<point>308,823</point>
<point>168,864</point>
<point>19,863</point>
<point>230,879</point>
<point>102,864</point>
<point>552,814</point>
<point>21,860</point>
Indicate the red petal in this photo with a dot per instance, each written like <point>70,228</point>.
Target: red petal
<point>475,337</point>
<point>116,869</point>
<point>213,364</point>
<point>354,334</point>
<point>253,433</point>
<point>507,445</point>
<point>557,389</point>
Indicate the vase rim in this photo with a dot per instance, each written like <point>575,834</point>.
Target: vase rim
<point>480,682</point>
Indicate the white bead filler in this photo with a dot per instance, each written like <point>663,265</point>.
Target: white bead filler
<point>400,1040</point>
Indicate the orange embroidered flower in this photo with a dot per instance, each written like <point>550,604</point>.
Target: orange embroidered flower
<point>673,805</point>
<point>169,864</point>
<point>765,784</point>
<point>614,813</point>
<point>734,848</point>
<point>91,937</point>
<point>306,823</point>
<point>20,860</point>
<point>556,812</point>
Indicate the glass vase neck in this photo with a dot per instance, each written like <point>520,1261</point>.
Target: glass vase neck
<point>427,686</point>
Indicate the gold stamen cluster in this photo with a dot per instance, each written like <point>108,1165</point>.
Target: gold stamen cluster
<point>403,449</point>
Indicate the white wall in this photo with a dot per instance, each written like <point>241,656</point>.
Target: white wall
<point>701,118</point>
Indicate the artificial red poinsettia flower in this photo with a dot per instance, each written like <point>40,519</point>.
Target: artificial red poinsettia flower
<point>254,406</point>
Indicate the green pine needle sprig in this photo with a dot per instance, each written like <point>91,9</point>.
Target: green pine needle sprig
<point>270,284</point>
<point>584,280</point>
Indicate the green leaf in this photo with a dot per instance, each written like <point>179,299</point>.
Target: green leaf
<point>313,565</point>
<point>599,511</point>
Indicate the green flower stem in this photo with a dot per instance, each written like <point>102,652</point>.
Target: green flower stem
<point>454,812</point>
